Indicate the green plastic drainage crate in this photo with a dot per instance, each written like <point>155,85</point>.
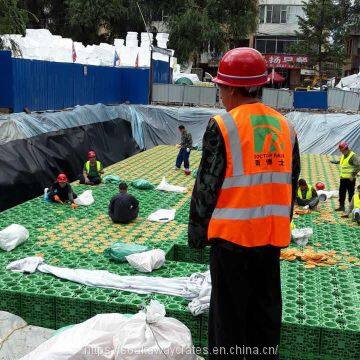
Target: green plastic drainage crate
<point>320,306</point>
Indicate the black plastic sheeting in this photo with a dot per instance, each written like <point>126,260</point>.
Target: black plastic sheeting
<point>27,166</point>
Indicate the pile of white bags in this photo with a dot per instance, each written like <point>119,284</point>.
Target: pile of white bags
<point>148,335</point>
<point>12,236</point>
<point>147,261</point>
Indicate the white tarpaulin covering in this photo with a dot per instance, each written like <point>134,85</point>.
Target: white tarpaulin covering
<point>349,82</point>
<point>17,338</point>
<point>147,335</point>
<point>193,287</point>
<point>322,133</point>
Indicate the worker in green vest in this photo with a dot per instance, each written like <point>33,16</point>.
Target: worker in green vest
<point>349,168</point>
<point>92,170</point>
<point>306,195</point>
<point>354,208</point>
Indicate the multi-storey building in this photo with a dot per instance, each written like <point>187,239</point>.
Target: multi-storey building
<point>276,34</point>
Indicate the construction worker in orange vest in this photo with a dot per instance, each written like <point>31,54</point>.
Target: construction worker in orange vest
<point>242,206</point>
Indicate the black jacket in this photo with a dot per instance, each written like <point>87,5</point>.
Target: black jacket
<point>123,208</point>
<point>65,194</point>
<point>209,180</point>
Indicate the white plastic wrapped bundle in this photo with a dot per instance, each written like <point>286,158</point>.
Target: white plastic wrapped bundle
<point>119,43</point>
<point>132,39</point>
<point>38,34</point>
<point>162,40</point>
<point>146,39</point>
<point>301,236</point>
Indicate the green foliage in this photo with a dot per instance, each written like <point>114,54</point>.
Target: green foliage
<point>103,20</point>
<point>323,31</point>
<point>12,21</point>
<point>210,24</point>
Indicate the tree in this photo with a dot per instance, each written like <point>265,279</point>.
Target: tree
<point>12,21</point>
<point>199,25</point>
<point>50,14</point>
<point>323,31</point>
<point>103,20</point>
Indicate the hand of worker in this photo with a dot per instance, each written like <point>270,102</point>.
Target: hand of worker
<point>74,206</point>
<point>57,199</point>
<point>188,150</point>
<point>178,146</point>
<point>87,180</point>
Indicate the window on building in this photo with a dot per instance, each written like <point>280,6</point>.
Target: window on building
<point>276,14</point>
<point>269,12</point>
<point>261,46</point>
<point>273,14</point>
<point>270,47</point>
<point>275,45</point>
<point>349,47</point>
<point>283,14</point>
<point>262,14</point>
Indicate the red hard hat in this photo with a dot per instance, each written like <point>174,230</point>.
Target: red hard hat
<point>343,145</point>
<point>242,67</point>
<point>62,178</point>
<point>320,186</point>
<point>91,154</point>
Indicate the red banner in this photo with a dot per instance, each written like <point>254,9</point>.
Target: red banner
<point>286,61</point>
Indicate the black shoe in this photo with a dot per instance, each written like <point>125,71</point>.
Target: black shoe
<point>340,208</point>
<point>357,218</point>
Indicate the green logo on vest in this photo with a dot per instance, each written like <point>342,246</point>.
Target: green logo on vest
<point>266,134</point>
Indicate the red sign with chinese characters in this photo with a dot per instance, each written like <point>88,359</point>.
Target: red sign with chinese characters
<point>286,61</point>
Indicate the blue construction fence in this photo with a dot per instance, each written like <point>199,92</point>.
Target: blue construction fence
<point>45,85</point>
<point>289,99</point>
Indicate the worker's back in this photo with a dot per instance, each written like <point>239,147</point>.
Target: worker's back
<point>254,204</point>
<point>123,208</point>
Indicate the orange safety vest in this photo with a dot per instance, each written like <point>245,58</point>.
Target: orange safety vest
<point>254,203</point>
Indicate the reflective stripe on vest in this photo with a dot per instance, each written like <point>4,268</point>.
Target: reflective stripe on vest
<point>257,179</point>
<point>254,203</point>
<point>308,193</point>
<point>346,170</point>
<point>252,213</point>
<point>98,166</point>
<point>356,201</point>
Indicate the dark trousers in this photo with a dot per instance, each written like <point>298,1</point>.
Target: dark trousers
<point>183,156</point>
<point>312,203</point>
<point>96,180</point>
<point>346,186</point>
<point>245,305</point>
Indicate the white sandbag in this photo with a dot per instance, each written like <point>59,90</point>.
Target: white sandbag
<point>328,194</point>
<point>149,335</point>
<point>165,186</point>
<point>12,236</point>
<point>147,261</point>
<point>301,236</point>
<point>85,199</point>
<point>162,215</point>
<point>90,340</point>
